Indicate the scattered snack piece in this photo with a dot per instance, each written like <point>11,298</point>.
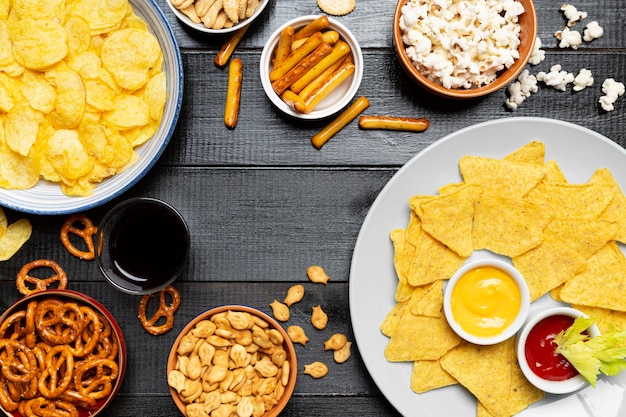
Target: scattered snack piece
<point>317,274</point>
<point>335,342</point>
<point>343,354</point>
<point>164,311</point>
<point>410,124</point>
<point>537,55</point>
<point>12,236</point>
<point>28,284</point>
<point>572,14</point>
<point>294,294</point>
<point>319,319</point>
<point>316,369</point>
<point>233,94</point>
<point>569,38</point>
<point>340,122</point>
<point>297,335</point>
<point>229,45</point>
<point>612,91</point>
<point>556,78</point>
<point>280,310</point>
<point>521,89</point>
<point>81,226</point>
<point>583,80</point>
<point>337,7</point>
<point>592,31</point>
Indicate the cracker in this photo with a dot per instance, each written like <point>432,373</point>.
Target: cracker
<point>337,7</point>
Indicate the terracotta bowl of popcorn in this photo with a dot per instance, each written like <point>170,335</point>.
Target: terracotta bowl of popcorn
<point>457,69</point>
<point>232,360</point>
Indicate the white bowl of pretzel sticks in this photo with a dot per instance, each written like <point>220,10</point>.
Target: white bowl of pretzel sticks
<point>217,16</point>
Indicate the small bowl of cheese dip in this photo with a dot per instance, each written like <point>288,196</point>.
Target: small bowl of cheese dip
<point>486,301</point>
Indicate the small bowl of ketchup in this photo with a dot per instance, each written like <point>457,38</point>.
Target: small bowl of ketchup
<point>542,366</point>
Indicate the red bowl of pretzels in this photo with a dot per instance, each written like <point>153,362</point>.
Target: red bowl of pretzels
<point>61,353</point>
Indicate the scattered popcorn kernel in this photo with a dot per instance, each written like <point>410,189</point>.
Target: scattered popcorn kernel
<point>572,14</point>
<point>569,38</point>
<point>583,80</point>
<point>537,55</point>
<point>317,274</point>
<point>294,294</point>
<point>522,88</point>
<point>612,91</point>
<point>297,335</point>
<point>556,78</point>
<point>316,369</point>
<point>319,319</point>
<point>280,310</point>
<point>592,31</point>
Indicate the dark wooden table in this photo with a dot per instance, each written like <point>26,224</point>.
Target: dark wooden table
<point>263,204</point>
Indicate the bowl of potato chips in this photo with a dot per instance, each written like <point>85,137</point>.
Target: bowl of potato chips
<point>216,17</point>
<point>92,94</point>
<point>229,360</point>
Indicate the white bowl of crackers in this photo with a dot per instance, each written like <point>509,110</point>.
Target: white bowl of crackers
<point>67,350</point>
<point>311,67</point>
<point>232,360</point>
<point>217,16</point>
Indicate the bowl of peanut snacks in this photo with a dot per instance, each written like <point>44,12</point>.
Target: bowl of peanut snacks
<point>232,360</point>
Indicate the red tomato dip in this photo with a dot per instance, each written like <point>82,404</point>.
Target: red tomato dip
<point>540,349</point>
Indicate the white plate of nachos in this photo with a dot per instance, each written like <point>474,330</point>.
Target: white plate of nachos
<point>373,280</point>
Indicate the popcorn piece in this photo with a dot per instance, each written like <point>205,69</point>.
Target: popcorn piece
<point>569,38</point>
<point>461,44</point>
<point>522,88</point>
<point>556,78</point>
<point>612,90</point>
<point>572,14</point>
<point>592,31</point>
<point>537,55</point>
<point>583,79</point>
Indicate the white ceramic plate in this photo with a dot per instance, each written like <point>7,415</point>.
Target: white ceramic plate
<point>47,198</point>
<point>577,150</point>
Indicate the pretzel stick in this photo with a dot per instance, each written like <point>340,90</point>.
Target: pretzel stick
<point>302,68</point>
<point>335,79</point>
<point>284,45</point>
<point>339,50</point>
<point>314,85</point>
<point>316,25</point>
<point>329,36</point>
<point>227,49</point>
<point>340,122</point>
<point>296,56</point>
<point>233,94</point>
<point>393,123</point>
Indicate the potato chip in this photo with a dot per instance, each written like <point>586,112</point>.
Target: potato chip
<point>508,226</point>
<point>99,95</point>
<point>38,44</point>
<point>156,95</point>
<point>128,55</point>
<point>130,111</point>
<point>40,94</point>
<point>449,218</point>
<point>22,125</point>
<point>78,35</point>
<point>37,9</point>
<point>6,56</point>
<point>429,375</point>
<point>501,177</point>
<point>68,155</point>
<point>434,335</point>
<point>103,15</point>
<point>70,101</point>
<point>14,237</point>
<point>547,266</point>
<point>602,283</point>
<point>485,371</point>
<point>3,222</point>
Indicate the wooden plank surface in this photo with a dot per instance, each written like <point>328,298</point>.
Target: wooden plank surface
<point>263,204</point>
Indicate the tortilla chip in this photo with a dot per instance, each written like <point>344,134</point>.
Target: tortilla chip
<point>448,218</point>
<point>420,338</point>
<point>430,302</point>
<point>573,200</point>
<point>616,210</point>
<point>533,152</point>
<point>607,320</point>
<point>392,319</point>
<point>554,175</point>
<point>547,266</point>
<point>586,235</point>
<point>429,375</point>
<point>602,283</point>
<point>501,177</point>
<point>508,226</point>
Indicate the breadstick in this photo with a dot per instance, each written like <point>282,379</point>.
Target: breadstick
<point>335,79</point>
<point>316,25</point>
<point>284,45</point>
<point>233,94</point>
<point>340,50</point>
<point>410,124</point>
<point>340,122</point>
<point>296,56</point>
<point>227,49</point>
<point>302,68</point>
<point>329,36</point>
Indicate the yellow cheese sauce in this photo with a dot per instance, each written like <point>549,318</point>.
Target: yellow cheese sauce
<point>485,301</point>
